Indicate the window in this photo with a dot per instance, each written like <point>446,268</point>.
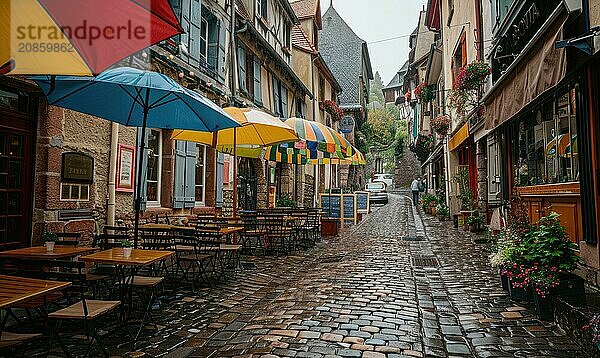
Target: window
<point>500,9</point>
<point>257,80</point>
<point>261,8</point>
<point>450,11</point>
<point>154,166</point>
<point>287,34</point>
<point>459,59</point>
<point>321,88</point>
<point>300,108</point>
<point>204,39</point>
<point>200,173</point>
<point>279,98</point>
<point>74,192</point>
<point>242,75</point>
<point>545,143</point>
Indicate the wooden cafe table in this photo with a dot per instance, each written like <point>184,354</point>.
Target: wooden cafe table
<point>126,269</point>
<point>40,252</point>
<point>14,290</point>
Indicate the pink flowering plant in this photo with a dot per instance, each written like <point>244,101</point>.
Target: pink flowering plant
<point>441,124</point>
<point>472,76</point>
<point>536,256</point>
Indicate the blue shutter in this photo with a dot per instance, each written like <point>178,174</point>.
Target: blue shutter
<point>219,168</point>
<point>222,58</point>
<point>257,87</point>
<point>276,98</point>
<point>190,175</point>
<point>185,24</point>
<point>284,99</point>
<point>196,25</point>
<point>242,68</point>
<point>179,178</point>
<point>144,153</point>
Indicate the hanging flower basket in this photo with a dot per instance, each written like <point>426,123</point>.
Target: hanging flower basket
<point>472,76</point>
<point>407,96</point>
<point>333,109</point>
<point>428,94</point>
<point>423,146</point>
<point>441,124</point>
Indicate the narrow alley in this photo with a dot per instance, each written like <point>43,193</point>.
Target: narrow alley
<point>395,286</point>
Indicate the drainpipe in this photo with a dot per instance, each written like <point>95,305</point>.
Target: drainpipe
<point>479,30</point>
<point>112,174</point>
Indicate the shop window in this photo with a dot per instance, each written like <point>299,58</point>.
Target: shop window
<point>74,192</point>
<point>154,166</point>
<point>544,143</point>
<point>200,173</point>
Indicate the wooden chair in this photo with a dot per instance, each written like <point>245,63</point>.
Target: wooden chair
<point>84,310</point>
<point>68,238</point>
<point>190,260</point>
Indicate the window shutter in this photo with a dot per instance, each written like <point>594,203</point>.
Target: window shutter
<point>242,68</point>
<point>196,24</point>
<point>257,88</point>
<point>276,98</point>
<point>284,99</point>
<point>219,169</point>
<point>185,24</point>
<point>144,153</point>
<point>179,178</point>
<point>213,44</point>
<point>190,175</point>
<point>222,56</point>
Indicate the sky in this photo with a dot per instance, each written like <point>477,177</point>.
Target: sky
<point>376,20</point>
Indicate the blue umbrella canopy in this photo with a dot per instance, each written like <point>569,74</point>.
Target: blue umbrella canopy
<point>123,94</point>
<point>136,98</point>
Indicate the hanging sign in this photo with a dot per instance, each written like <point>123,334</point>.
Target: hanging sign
<point>77,168</point>
<point>347,124</point>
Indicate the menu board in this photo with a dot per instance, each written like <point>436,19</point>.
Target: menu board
<point>349,209</point>
<point>362,202</point>
<point>331,205</point>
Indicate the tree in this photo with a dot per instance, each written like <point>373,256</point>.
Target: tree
<point>376,91</point>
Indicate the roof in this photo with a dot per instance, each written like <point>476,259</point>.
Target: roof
<point>398,79</point>
<point>241,9</point>
<point>300,39</point>
<point>306,9</point>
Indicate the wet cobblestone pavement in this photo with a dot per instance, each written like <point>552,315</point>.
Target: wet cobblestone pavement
<point>368,293</point>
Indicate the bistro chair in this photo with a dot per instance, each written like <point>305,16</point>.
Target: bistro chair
<point>68,238</point>
<point>84,310</point>
<point>253,237</point>
<point>190,260</point>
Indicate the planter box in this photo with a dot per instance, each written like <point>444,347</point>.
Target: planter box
<point>519,294</point>
<point>465,215</point>
<point>504,280</point>
<point>544,307</point>
<point>330,227</point>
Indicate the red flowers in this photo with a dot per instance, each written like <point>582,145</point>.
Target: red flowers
<point>333,109</point>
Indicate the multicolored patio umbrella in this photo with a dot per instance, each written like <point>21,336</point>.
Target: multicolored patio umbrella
<point>324,158</point>
<point>83,37</point>
<point>319,137</point>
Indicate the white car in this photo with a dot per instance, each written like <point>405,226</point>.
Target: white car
<point>388,179</point>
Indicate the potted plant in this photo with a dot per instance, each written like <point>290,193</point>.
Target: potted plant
<point>285,201</point>
<point>475,222</point>
<point>442,212</point>
<point>127,246</point>
<point>429,202</point>
<point>465,195</point>
<point>506,252</point>
<point>50,239</point>
<point>551,259</point>
<point>441,125</point>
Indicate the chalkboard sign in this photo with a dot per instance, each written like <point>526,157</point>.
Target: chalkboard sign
<point>349,207</point>
<point>362,202</point>
<point>331,205</point>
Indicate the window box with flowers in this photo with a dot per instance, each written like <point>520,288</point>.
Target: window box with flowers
<point>332,109</point>
<point>425,92</point>
<point>466,91</point>
<point>441,125</point>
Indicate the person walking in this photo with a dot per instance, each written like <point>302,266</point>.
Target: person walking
<point>415,187</point>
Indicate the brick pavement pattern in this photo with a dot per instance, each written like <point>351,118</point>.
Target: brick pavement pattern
<point>369,293</point>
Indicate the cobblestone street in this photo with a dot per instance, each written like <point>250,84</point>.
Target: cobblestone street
<point>368,293</point>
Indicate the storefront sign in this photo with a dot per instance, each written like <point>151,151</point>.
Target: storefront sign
<point>125,168</point>
<point>77,168</point>
<point>518,31</point>
<point>347,124</point>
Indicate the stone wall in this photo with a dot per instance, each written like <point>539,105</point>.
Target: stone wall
<point>309,191</point>
<point>407,169</point>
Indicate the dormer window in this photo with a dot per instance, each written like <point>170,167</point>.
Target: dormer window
<point>261,8</point>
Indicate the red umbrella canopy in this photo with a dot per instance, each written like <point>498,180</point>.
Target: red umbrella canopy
<point>79,37</point>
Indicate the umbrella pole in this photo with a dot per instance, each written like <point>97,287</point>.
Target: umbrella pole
<point>138,196</point>
<point>235,176</point>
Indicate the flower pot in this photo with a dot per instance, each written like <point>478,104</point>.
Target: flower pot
<point>544,307</point>
<point>442,217</point>
<point>504,281</point>
<point>572,287</point>
<point>519,294</point>
<point>126,251</point>
<point>475,228</point>
<point>49,245</point>
<point>428,210</point>
<point>433,211</point>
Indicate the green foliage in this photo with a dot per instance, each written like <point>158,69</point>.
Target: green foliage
<point>465,193</point>
<point>443,210</point>
<point>285,201</point>
<point>126,243</point>
<point>376,89</point>
<point>429,201</point>
<point>475,220</point>
<point>49,236</point>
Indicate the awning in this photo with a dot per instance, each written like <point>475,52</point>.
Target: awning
<point>542,71</point>
<point>434,65</point>
<point>459,137</point>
